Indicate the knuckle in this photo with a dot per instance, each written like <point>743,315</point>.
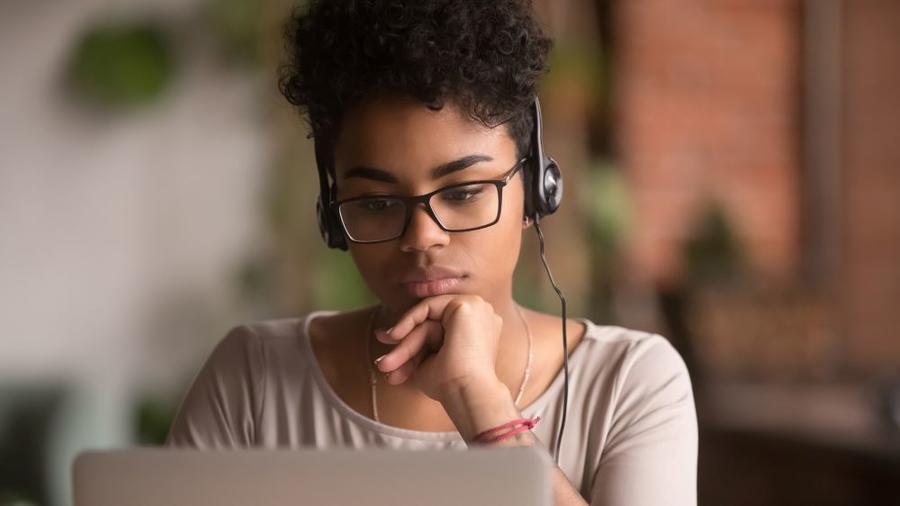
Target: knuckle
<point>473,301</point>
<point>458,305</point>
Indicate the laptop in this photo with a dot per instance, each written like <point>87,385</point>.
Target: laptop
<point>144,476</point>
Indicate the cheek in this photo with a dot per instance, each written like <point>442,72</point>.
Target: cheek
<point>370,261</point>
<point>497,247</point>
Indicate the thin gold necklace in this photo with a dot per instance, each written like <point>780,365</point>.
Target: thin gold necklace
<point>373,378</point>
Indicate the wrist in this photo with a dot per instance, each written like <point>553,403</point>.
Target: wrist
<point>478,405</point>
<point>472,385</point>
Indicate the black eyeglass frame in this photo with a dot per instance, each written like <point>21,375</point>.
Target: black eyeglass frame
<point>409,202</point>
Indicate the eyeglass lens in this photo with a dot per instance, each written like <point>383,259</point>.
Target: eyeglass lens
<point>457,209</point>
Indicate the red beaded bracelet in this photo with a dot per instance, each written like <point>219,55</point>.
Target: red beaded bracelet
<point>489,436</point>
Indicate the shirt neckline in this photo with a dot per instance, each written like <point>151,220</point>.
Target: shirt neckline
<point>529,411</point>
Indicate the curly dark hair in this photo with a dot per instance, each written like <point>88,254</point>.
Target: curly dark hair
<point>485,56</point>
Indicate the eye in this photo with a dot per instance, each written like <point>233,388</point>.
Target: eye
<point>461,195</point>
<point>378,205</point>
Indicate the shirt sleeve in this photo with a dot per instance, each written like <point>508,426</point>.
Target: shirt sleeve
<point>650,456</point>
<point>221,408</point>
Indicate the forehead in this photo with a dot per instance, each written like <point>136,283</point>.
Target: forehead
<point>408,139</point>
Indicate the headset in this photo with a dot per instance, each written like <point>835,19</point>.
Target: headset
<point>543,194</point>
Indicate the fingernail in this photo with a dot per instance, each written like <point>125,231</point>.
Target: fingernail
<point>379,358</point>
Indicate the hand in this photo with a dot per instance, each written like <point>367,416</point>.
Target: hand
<point>445,341</point>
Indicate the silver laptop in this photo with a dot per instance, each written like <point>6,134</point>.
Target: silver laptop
<point>518,476</point>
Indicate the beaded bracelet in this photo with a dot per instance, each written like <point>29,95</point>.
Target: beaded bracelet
<point>490,436</point>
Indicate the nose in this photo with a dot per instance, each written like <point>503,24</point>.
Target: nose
<point>422,231</point>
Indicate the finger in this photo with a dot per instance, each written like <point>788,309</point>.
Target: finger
<point>410,345</point>
<point>431,308</point>
<point>407,369</point>
<point>385,338</point>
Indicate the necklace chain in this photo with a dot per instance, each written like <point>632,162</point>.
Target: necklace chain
<point>373,378</point>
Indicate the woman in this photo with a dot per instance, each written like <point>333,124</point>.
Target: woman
<point>421,98</point>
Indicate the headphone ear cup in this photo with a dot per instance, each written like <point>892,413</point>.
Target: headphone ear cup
<point>546,186</point>
<point>551,187</point>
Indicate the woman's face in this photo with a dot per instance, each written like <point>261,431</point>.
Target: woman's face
<point>404,141</point>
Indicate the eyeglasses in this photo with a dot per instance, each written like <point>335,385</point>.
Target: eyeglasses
<point>461,207</point>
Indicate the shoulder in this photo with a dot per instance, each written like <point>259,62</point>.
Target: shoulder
<point>274,334</point>
<point>635,370</point>
<point>332,330</point>
<point>248,345</point>
<point>324,335</point>
<point>256,347</point>
<point>636,351</point>
<point>648,425</point>
<point>323,329</point>
<point>649,380</point>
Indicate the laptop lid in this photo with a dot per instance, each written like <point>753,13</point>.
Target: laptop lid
<point>518,476</point>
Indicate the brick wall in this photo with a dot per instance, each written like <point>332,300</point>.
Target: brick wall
<point>711,102</point>
<point>707,97</point>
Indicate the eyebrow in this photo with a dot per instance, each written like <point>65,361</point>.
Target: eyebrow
<point>436,173</point>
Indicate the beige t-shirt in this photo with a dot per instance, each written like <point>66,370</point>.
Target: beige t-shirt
<point>630,436</point>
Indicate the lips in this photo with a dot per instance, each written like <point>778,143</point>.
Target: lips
<point>432,288</point>
<point>434,280</point>
<point>432,273</point>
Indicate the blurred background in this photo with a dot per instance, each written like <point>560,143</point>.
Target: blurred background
<point>732,179</point>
